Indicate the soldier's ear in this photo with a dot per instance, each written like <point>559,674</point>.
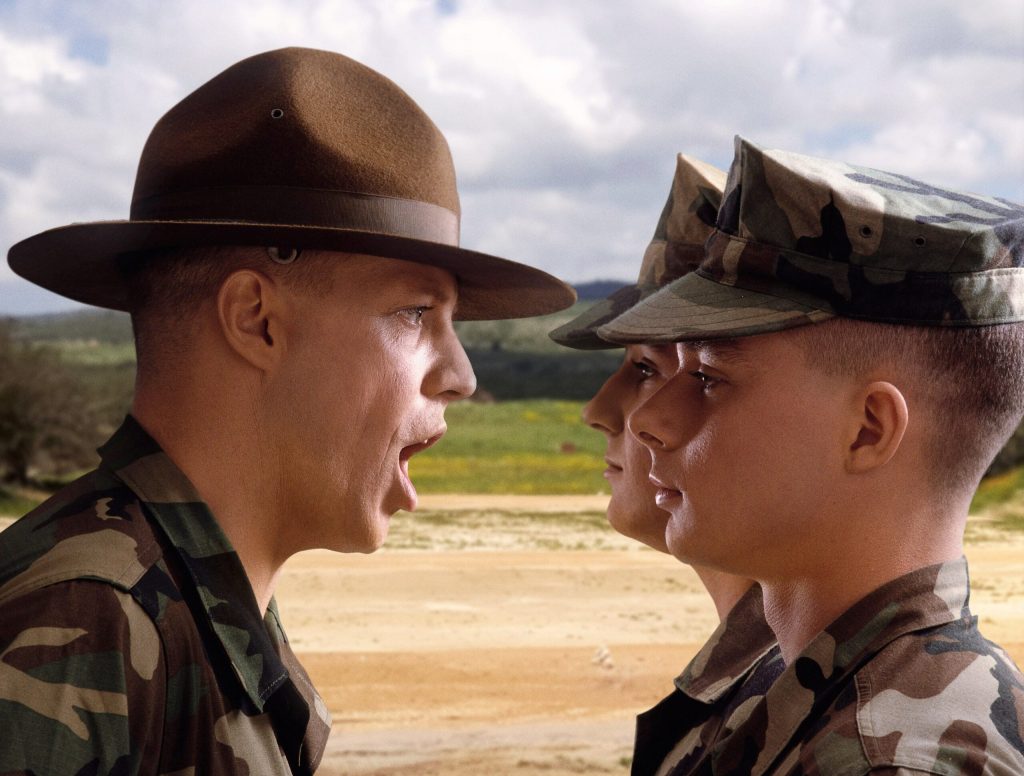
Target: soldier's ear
<point>878,421</point>
<point>248,309</point>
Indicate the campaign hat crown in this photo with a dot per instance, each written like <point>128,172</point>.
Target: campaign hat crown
<point>800,240</point>
<point>300,148</point>
<point>686,222</point>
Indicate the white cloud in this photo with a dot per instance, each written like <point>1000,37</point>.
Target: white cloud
<point>564,118</point>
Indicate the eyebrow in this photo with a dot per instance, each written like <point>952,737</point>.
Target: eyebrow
<point>730,351</point>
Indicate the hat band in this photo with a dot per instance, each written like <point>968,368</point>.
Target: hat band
<point>865,292</point>
<point>296,206</point>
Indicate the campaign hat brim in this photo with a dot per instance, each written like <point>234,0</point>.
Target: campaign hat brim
<point>84,261</point>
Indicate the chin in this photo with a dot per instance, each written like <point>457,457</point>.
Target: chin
<point>640,532</point>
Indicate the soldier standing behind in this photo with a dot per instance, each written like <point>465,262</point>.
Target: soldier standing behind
<point>851,359</point>
<point>710,685</point>
<point>292,269</point>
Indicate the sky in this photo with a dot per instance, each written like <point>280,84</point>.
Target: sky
<point>563,118</point>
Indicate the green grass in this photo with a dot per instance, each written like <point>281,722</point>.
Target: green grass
<point>1002,494</point>
<point>521,447</point>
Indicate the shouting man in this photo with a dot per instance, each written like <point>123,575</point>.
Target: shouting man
<point>292,269</point>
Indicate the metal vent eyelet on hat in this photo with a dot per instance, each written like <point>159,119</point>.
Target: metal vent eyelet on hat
<point>866,231</point>
<point>282,255</point>
<point>919,241</point>
<point>277,113</point>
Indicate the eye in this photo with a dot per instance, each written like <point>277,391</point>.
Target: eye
<point>707,382</point>
<point>414,315</point>
<point>644,370</point>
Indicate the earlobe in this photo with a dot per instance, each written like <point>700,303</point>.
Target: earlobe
<point>247,307</point>
<point>881,422</point>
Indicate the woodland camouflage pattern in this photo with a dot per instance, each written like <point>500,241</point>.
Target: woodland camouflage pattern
<point>800,240</point>
<point>686,222</point>
<point>131,641</point>
<point>902,682</point>
<point>739,661</point>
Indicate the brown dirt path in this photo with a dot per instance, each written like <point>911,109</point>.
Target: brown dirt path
<point>522,660</point>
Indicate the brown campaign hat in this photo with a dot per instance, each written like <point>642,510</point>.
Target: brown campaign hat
<point>299,148</point>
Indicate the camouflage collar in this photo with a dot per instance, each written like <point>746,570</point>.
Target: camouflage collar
<point>735,647</point>
<point>223,593</point>
<point>925,598</point>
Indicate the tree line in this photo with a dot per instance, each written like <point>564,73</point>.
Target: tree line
<point>66,384</point>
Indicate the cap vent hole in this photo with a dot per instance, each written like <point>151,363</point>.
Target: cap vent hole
<point>866,231</point>
<point>919,241</point>
<point>277,113</point>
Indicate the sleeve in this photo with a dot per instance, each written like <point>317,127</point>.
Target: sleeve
<point>82,682</point>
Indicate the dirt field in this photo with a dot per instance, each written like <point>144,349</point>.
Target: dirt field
<point>482,642</point>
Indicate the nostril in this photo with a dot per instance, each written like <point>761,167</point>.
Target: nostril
<point>648,439</point>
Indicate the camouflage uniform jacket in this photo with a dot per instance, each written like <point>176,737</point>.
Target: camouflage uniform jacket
<point>739,660</point>
<point>131,641</point>
<point>901,683</point>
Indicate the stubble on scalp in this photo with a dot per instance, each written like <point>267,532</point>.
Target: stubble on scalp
<point>966,383</point>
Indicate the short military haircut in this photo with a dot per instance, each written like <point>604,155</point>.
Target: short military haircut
<point>970,379</point>
<point>166,289</point>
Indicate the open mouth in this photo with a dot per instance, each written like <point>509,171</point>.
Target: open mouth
<point>407,452</point>
<point>410,450</point>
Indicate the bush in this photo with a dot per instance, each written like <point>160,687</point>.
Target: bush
<point>47,422</point>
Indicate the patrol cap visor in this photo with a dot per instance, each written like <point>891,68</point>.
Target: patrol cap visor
<point>581,332</point>
<point>696,308</point>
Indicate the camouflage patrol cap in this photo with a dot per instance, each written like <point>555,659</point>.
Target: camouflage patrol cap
<point>800,240</point>
<point>686,222</point>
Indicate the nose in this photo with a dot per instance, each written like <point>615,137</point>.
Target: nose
<point>454,374</point>
<point>657,421</point>
<point>604,411</point>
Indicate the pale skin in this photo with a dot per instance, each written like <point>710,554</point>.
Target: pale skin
<point>632,510</point>
<point>813,485</point>
<point>297,412</point>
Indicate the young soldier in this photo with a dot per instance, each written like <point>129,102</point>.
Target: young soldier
<point>708,685</point>
<point>851,359</point>
<point>280,394</point>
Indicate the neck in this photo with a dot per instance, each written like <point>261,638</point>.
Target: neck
<point>725,589</point>
<point>800,604</point>
<point>217,448</point>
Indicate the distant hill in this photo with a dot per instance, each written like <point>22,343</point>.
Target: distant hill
<point>598,289</point>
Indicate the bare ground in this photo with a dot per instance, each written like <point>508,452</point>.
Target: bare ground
<point>495,644</point>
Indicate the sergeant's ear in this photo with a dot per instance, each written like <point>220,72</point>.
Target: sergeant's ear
<point>878,422</point>
<point>248,308</point>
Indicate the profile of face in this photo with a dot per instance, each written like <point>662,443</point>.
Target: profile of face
<point>746,441</point>
<point>368,370</point>
<point>632,510</point>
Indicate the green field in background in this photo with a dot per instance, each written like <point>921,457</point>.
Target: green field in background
<point>531,446</point>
